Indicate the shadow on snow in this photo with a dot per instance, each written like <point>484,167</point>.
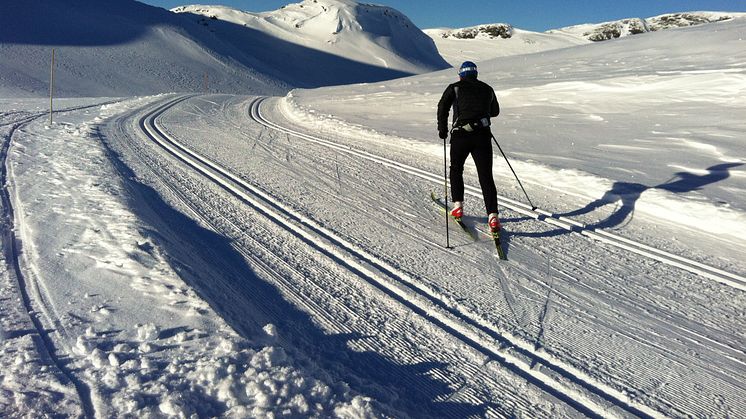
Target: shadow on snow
<point>626,194</point>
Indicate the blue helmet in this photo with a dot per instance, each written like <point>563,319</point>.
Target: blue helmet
<point>468,68</point>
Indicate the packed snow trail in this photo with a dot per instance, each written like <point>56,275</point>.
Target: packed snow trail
<point>335,242</point>
<point>374,272</point>
<point>312,205</point>
<point>720,275</point>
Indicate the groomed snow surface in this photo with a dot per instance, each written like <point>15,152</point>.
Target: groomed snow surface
<point>208,255</point>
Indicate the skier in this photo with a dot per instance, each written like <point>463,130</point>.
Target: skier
<point>474,102</point>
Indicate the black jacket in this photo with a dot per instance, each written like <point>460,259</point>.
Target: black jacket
<point>476,100</point>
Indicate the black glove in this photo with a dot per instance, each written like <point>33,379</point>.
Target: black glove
<point>443,134</point>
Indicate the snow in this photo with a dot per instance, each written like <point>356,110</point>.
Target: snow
<point>586,102</point>
<point>140,339</point>
<point>484,46</point>
<point>117,48</point>
<point>634,26</point>
<point>201,255</point>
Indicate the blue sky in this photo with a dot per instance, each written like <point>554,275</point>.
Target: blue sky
<point>537,15</point>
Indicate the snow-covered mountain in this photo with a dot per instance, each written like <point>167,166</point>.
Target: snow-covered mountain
<point>124,48</point>
<point>634,26</point>
<point>484,42</point>
<point>348,37</point>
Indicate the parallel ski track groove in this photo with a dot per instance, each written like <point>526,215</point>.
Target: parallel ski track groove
<point>428,304</point>
<point>572,226</point>
<point>713,273</point>
<point>12,255</point>
<point>299,299</point>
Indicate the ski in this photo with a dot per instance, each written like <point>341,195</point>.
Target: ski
<point>500,252</point>
<point>459,222</point>
<point>498,244</point>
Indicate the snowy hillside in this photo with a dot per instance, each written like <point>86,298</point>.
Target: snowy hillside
<point>116,48</point>
<point>484,42</point>
<point>345,41</point>
<point>123,48</point>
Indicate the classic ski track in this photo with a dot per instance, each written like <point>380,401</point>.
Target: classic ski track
<point>471,370</point>
<point>606,320</point>
<point>687,334</point>
<point>301,299</point>
<point>713,273</point>
<point>569,261</point>
<point>444,313</point>
<point>31,291</point>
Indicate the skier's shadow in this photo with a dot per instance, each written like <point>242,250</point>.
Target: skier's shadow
<point>626,194</point>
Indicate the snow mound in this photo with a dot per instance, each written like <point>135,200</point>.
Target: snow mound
<point>351,41</point>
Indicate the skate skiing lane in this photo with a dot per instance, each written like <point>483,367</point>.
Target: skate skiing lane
<point>417,296</point>
<point>716,274</point>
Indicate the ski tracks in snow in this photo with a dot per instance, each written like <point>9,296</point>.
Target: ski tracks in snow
<point>565,382</point>
<point>31,292</point>
<point>466,360</point>
<point>685,332</point>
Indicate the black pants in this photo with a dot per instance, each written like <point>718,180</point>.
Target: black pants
<point>479,145</point>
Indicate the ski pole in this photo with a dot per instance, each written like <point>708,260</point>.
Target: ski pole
<point>445,190</point>
<point>533,207</point>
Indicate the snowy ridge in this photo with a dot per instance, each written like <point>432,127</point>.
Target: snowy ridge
<point>484,42</point>
<point>124,48</point>
<point>116,48</point>
<point>488,41</point>
<point>633,26</point>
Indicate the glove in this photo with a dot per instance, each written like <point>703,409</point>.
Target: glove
<point>443,134</point>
